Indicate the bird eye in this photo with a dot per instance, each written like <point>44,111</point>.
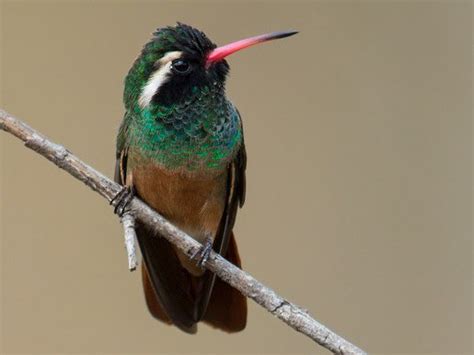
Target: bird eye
<point>180,66</point>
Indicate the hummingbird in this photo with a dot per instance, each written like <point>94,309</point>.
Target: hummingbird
<point>180,149</point>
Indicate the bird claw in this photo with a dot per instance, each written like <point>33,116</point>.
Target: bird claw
<point>203,253</point>
<point>121,200</point>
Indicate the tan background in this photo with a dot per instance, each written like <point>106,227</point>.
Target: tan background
<point>358,132</point>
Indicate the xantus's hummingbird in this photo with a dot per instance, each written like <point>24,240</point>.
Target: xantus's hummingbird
<point>180,148</point>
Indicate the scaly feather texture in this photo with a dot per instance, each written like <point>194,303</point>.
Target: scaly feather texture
<point>201,133</point>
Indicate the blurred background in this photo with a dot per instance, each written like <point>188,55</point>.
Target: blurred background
<point>359,200</point>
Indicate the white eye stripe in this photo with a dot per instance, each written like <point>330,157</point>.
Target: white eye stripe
<point>158,78</point>
<point>154,82</point>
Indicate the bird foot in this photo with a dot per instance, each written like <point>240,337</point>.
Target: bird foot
<point>122,199</point>
<point>202,254</point>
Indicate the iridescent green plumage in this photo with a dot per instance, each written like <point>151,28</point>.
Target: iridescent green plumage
<point>198,130</point>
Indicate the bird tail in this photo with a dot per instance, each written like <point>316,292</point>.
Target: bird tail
<point>227,308</point>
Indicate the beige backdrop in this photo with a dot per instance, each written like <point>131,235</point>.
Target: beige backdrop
<point>358,133</point>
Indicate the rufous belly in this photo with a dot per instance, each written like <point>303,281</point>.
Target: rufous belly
<point>193,202</point>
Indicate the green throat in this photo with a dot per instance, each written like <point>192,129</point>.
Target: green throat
<point>201,133</point>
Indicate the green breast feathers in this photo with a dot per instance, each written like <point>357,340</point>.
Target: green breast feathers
<point>200,134</point>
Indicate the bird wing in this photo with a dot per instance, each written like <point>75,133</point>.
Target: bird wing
<point>235,197</point>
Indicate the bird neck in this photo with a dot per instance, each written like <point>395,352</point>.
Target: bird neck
<point>201,133</point>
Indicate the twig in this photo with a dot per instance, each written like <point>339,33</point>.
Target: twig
<point>128,222</point>
<point>288,312</point>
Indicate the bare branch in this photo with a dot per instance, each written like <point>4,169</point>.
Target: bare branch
<point>294,316</point>
<point>128,222</point>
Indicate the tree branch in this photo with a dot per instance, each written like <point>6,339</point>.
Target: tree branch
<point>128,222</point>
<point>294,316</point>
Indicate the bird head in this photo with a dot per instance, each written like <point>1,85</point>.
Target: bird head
<point>180,61</point>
